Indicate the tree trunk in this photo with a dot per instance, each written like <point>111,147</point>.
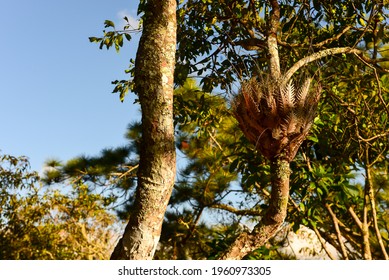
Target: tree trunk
<point>274,60</point>
<point>273,218</point>
<point>154,69</point>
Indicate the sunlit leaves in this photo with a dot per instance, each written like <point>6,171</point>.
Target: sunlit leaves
<point>122,87</point>
<point>45,223</point>
<point>108,23</point>
<point>111,38</point>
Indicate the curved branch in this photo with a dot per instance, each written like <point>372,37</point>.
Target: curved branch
<point>315,56</point>
<point>336,37</point>
<point>251,44</point>
<point>316,45</point>
<point>332,51</point>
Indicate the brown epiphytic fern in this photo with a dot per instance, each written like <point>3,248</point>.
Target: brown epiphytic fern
<point>276,118</point>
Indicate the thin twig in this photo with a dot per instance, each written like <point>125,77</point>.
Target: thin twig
<point>323,244</point>
<point>231,209</point>
<point>219,146</point>
<point>129,171</point>
<point>355,217</point>
<point>378,83</point>
<point>339,235</point>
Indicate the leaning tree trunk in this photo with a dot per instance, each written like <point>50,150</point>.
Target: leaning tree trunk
<point>154,68</point>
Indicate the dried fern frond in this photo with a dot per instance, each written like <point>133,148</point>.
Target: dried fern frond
<point>302,93</point>
<point>287,98</point>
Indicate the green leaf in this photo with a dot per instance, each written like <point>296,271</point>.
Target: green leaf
<point>94,39</point>
<point>108,42</point>
<point>313,138</point>
<point>295,227</point>
<point>128,36</point>
<point>109,23</point>
<point>120,41</point>
<point>352,190</point>
<point>234,165</point>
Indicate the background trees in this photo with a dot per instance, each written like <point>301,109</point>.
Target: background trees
<point>46,223</point>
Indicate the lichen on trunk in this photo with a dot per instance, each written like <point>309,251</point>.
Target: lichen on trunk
<point>154,69</point>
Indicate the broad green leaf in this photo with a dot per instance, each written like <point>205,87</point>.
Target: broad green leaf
<point>109,23</point>
<point>128,36</point>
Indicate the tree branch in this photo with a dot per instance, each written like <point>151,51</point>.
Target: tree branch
<point>235,211</point>
<point>274,60</point>
<point>370,191</point>
<point>339,235</point>
<point>329,40</point>
<point>332,51</point>
<point>315,56</point>
<point>365,227</point>
<point>251,44</point>
<point>378,82</point>
<point>355,217</point>
<point>319,44</point>
<point>323,244</point>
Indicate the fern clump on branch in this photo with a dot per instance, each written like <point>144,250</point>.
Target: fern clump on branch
<point>276,117</point>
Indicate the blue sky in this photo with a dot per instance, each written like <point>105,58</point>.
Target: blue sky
<point>55,86</point>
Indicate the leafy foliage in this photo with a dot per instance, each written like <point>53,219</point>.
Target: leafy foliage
<point>226,41</point>
<point>38,223</point>
<point>116,38</point>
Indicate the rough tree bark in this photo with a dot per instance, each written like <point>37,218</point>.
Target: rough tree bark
<point>154,69</point>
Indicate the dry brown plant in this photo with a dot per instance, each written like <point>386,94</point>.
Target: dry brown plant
<point>276,117</point>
